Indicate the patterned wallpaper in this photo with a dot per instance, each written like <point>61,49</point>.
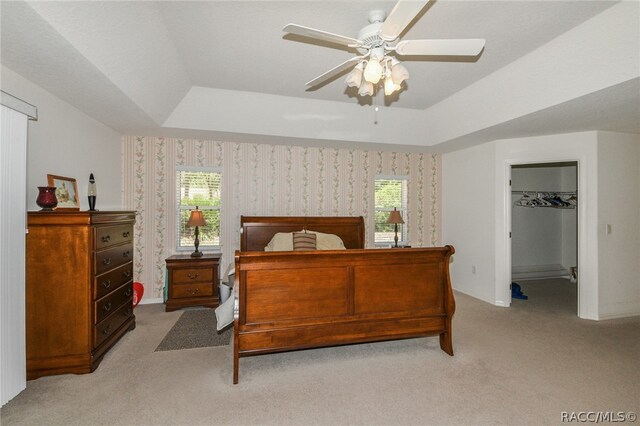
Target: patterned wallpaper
<point>270,180</point>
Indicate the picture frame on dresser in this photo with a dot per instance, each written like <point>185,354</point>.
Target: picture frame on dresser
<point>66,192</point>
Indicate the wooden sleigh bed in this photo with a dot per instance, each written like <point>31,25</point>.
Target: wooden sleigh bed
<point>292,300</point>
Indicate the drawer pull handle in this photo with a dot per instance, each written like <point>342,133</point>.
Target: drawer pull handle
<point>195,291</point>
<point>127,274</point>
<point>125,234</point>
<point>126,254</point>
<point>129,292</point>
<point>106,307</point>
<point>106,284</point>
<point>106,238</point>
<point>107,330</point>
<point>106,261</point>
<point>192,276</point>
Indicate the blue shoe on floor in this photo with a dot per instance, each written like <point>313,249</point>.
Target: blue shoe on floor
<point>516,292</point>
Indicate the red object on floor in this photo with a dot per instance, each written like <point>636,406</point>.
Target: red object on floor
<point>138,291</point>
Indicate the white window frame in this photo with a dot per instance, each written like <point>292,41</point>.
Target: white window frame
<point>180,207</point>
<point>403,236</point>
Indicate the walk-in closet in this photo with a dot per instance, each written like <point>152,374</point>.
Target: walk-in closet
<point>544,238</point>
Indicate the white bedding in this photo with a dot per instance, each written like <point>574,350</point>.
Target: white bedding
<point>283,241</point>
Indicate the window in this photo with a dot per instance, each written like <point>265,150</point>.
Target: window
<point>390,192</point>
<point>197,186</point>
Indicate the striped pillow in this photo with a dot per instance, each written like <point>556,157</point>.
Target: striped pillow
<point>304,241</point>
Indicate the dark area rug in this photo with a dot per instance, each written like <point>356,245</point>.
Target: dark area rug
<point>195,329</point>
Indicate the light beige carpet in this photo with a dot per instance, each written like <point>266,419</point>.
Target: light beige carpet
<point>521,365</point>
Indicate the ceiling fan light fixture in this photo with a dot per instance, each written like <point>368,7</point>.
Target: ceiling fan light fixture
<point>366,89</point>
<point>373,71</point>
<point>354,78</point>
<point>389,86</point>
<point>398,72</point>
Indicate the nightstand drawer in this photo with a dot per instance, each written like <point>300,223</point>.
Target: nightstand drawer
<point>107,236</point>
<point>192,281</point>
<point>113,257</point>
<point>182,291</point>
<point>192,275</point>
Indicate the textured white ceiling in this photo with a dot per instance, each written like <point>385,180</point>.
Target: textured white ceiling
<point>131,64</point>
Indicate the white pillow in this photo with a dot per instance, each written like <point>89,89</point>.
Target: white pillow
<point>283,241</point>
<point>328,241</point>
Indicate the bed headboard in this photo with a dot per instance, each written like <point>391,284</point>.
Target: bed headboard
<point>257,231</point>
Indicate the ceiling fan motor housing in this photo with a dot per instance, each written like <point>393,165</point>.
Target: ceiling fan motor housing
<point>370,35</point>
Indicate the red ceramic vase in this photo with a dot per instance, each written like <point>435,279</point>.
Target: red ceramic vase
<point>47,197</point>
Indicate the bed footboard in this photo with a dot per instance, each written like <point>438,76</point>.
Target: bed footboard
<point>297,300</point>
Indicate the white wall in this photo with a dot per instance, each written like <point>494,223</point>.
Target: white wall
<point>619,206</point>
<point>477,208</point>
<point>66,142</point>
<point>468,214</point>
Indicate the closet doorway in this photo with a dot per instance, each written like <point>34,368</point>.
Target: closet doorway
<point>544,235</point>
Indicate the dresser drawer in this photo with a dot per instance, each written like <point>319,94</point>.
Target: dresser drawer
<point>110,303</point>
<point>192,275</point>
<point>107,236</point>
<point>106,283</point>
<point>113,257</point>
<point>107,327</point>
<point>182,291</point>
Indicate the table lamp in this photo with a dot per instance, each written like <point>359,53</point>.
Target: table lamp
<point>395,218</point>
<point>196,219</point>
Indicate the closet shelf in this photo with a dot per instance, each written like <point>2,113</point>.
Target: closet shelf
<point>548,199</point>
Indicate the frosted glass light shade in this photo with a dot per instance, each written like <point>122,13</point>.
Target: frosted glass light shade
<point>354,78</point>
<point>399,73</point>
<point>389,86</point>
<point>366,89</point>
<point>373,71</point>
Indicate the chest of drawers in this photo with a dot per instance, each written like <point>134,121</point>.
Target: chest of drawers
<point>79,288</point>
<point>193,281</point>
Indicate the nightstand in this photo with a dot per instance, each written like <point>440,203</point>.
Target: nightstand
<point>192,281</point>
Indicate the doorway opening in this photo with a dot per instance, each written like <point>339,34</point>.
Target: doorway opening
<point>544,235</point>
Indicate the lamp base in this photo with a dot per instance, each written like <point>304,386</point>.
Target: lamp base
<point>196,254</point>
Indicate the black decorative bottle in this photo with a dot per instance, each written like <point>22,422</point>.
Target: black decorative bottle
<point>92,193</point>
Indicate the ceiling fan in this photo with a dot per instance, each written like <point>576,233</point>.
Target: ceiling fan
<point>377,41</point>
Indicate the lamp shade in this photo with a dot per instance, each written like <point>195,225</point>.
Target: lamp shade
<point>196,218</point>
<point>395,217</point>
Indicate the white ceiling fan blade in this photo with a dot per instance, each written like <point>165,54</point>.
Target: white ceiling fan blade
<point>318,34</point>
<point>335,71</point>
<point>400,16</point>
<point>459,47</point>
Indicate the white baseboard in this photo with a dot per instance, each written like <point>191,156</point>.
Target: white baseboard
<point>476,296</point>
<point>619,310</point>
<point>150,301</point>
<point>534,272</point>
